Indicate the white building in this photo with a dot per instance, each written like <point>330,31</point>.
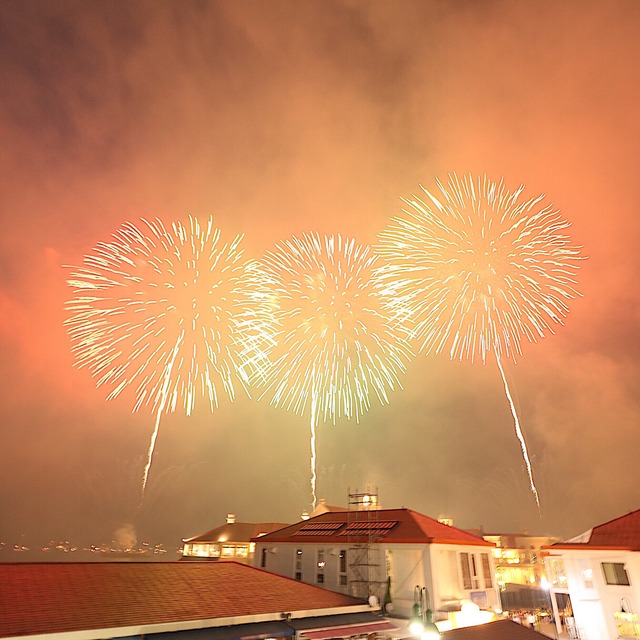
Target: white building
<point>600,572</point>
<point>231,541</point>
<point>388,553</point>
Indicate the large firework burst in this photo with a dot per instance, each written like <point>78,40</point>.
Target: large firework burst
<point>477,269</point>
<point>335,346</point>
<point>153,311</point>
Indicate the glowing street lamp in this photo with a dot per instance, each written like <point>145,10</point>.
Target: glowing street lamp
<point>422,623</point>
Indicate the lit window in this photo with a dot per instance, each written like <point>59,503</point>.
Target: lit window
<point>242,551</point>
<point>343,560</point>
<point>486,569</point>
<point>558,574</point>
<point>320,566</point>
<point>228,550</point>
<point>615,573</point>
<point>298,567</point>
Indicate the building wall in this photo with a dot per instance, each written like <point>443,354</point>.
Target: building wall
<point>454,584</point>
<point>595,603</point>
<point>289,559</point>
<point>436,567</point>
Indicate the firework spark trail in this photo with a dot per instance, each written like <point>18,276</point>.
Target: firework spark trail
<point>519,434</point>
<point>156,428</point>
<point>334,347</point>
<point>314,475</point>
<point>158,311</point>
<point>477,269</point>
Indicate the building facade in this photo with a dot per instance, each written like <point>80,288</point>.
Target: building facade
<point>231,541</point>
<point>387,553</point>
<point>598,573</point>
<point>520,570</point>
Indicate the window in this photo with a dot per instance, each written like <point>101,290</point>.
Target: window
<point>466,573</point>
<point>342,568</point>
<point>486,569</point>
<point>469,571</point>
<point>558,574</point>
<point>474,570</point>
<point>263,558</point>
<point>343,561</point>
<point>298,567</point>
<point>615,573</point>
<point>320,566</point>
<point>242,551</point>
<point>203,550</point>
<point>228,550</point>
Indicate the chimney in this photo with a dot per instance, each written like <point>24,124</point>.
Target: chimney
<point>231,518</point>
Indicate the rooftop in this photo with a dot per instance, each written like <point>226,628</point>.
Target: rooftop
<point>498,630</point>
<point>620,533</point>
<point>237,532</point>
<point>150,597</point>
<point>402,526</point>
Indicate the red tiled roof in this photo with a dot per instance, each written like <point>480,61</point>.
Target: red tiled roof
<point>409,527</point>
<point>65,597</point>
<point>237,532</point>
<point>620,533</point>
<point>498,630</point>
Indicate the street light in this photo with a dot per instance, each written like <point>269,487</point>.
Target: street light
<point>422,623</point>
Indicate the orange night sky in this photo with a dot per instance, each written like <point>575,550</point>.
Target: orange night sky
<point>279,118</point>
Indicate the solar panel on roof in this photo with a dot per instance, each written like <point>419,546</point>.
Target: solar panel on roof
<point>319,528</point>
<point>369,526</point>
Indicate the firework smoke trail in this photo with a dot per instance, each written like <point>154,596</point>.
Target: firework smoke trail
<point>155,313</point>
<point>476,269</point>
<point>334,347</point>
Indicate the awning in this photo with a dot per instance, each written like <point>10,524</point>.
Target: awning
<point>253,631</point>
<point>348,630</point>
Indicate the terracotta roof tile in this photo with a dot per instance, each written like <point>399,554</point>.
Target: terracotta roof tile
<point>237,532</point>
<point>620,533</point>
<point>65,597</point>
<point>409,527</point>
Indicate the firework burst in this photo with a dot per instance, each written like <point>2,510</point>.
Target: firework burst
<point>477,269</point>
<point>335,349</point>
<point>153,312</point>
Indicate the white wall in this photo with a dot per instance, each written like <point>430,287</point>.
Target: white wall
<point>436,567</point>
<point>594,601</point>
